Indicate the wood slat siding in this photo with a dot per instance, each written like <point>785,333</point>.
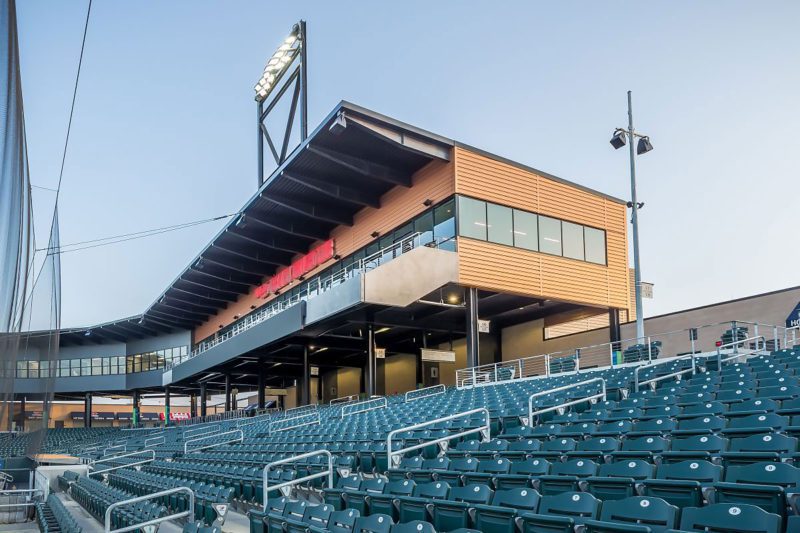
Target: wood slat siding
<point>435,181</point>
<point>506,269</point>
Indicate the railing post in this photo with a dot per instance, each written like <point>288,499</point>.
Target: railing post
<point>775,340</point>
<point>649,350</point>
<point>473,376</point>
<point>577,360</point>
<point>547,364</point>
<point>611,354</point>
<point>519,361</point>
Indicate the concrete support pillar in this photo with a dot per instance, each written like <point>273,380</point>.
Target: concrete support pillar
<point>305,382</point>
<point>472,327</point>
<point>87,410</point>
<point>203,396</point>
<point>135,413</point>
<point>10,408</point>
<point>262,396</point>
<point>166,406</point>
<point>614,334</point>
<point>227,392</point>
<point>192,405</point>
<point>22,414</point>
<point>371,362</point>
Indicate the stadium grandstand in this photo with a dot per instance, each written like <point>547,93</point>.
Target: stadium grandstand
<point>352,353</point>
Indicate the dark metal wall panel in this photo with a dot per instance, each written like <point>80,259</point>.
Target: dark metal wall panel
<point>335,300</point>
<point>281,325</point>
<point>141,380</point>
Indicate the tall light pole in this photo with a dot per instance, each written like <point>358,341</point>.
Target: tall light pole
<point>621,136</point>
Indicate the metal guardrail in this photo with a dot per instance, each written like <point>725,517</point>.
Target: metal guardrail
<point>485,430</point>
<point>201,431</point>
<point>735,345</point>
<point>311,419</point>
<point>188,513</point>
<point>240,438</point>
<point>5,478</point>
<point>344,399</point>
<point>297,411</point>
<point>532,413</point>
<point>693,370</point>
<point>108,458</point>
<point>426,392</point>
<point>29,502</point>
<point>148,441</point>
<point>294,459</point>
<point>372,404</point>
<point>114,447</point>
<point>794,334</point>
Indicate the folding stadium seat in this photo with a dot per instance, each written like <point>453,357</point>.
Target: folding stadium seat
<point>647,448</point>
<point>735,395</point>
<point>489,449</point>
<point>338,522</point>
<point>517,432</point>
<point>790,407</point>
<point>699,425</point>
<point>294,511</point>
<point>653,426</point>
<point>594,415</point>
<point>702,409</point>
<point>566,476</point>
<point>615,428</point>
<point>499,517</point>
<point>730,517</point>
<point>756,448</point>
<point>522,474</point>
<point>335,496</point>
<point>458,467</point>
<point>408,464</point>
<point>660,401</point>
<point>578,429</point>
<point>376,523</point>
<point>453,513</point>
<point>779,392</point>
<point>654,513</point>
<point>487,470</point>
<point>682,484</point>
<point>661,411</point>
<point>464,448</point>
<point>359,499</point>
<point>780,381</point>
<point>691,398</point>
<point>757,423</point>
<point>616,481</point>
<point>752,407</point>
<point>518,450</point>
<point>596,448</point>
<point>695,447</point>
<point>384,503</point>
<point>415,507</point>
<point>561,513</point>
<point>546,430</point>
<point>761,484</point>
<point>619,415</point>
<point>552,450</point>
<point>417,526</point>
<point>314,516</point>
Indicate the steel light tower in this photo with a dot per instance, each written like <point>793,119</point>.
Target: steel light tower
<point>619,139</point>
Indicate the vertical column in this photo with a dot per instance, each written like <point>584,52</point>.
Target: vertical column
<point>371,363</point>
<point>227,392</point>
<point>203,396</point>
<point>87,410</point>
<point>262,396</point>
<point>22,414</point>
<point>472,327</point>
<point>166,406</point>
<point>135,411</point>
<point>10,407</point>
<point>614,336</point>
<point>192,405</point>
<point>305,384</point>
<point>420,379</point>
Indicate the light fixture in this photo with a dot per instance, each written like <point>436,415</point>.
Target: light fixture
<point>252,307</point>
<point>198,265</point>
<point>339,124</point>
<point>428,202</point>
<point>619,139</point>
<point>382,330</point>
<point>88,332</point>
<point>374,234</point>
<point>452,298</point>
<point>279,63</point>
<point>643,146</point>
<point>236,317</point>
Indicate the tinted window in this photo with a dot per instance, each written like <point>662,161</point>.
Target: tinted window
<point>526,230</point>
<point>549,235</point>
<point>595,245</point>
<point>499,224</point>
<point>572,235</point>
<point>471,218</point>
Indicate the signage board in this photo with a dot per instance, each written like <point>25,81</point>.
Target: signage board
<point>647,290</point>
<point>794,317</point>
<point>484,326</point>
<point>297,269</point>
<point>380,353</point>
<point>438,356</point>
<point>314,370</point>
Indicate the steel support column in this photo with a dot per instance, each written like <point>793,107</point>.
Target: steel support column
<point>227,392</point>
<point>166,405</point>
<point>472,327</point>
<point>371,362</point>
<point>135,410</point>
<point>192,405</point>
<point>203,396</point>
<point>87,410</point>
<point>22,414</point>
<point>305,383</point>
<point>262,395</point>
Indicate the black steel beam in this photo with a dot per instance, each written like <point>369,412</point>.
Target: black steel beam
<point>363,166</point>
<point>272,261</point>
<point>202,272</point>
<point>340,192</point>
<point>209,308</point>
<point>184,310</point>
<point>175,319</point>
<point>222,303</point>
<point>276,243</point>
<point>301,230</point>
<point>314,211</point>
<point>238,267</point>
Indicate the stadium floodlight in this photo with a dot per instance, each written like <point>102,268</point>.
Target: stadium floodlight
<point>619,139</point>
<point>643,146</point>
<point>279,63</point>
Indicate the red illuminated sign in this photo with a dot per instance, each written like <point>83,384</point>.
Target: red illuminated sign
<point>174,416</point>
<point>296,270</point>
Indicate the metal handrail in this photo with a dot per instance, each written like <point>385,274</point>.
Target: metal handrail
<point>126,465</point>
<point>379,402</point>
<point>433,389</point>
<point>240,438</point>
<point>293,459</point>
<point>794,330</point>
<point>147,440</point>
<point>735,345</point>
<point>591,397</point>
<point>123,446</point>
<point>105,459</point>
<point>693,370</point>
<point>188,513</point>
<point>302,409</point>
<point>312,421</point>
<point>485,430</point>
<point>201,431</point>
<point>344,399</point>
<point>27,503</point>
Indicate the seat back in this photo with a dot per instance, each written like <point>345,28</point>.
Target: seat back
<point>725,517</point>
<point>654,513</point>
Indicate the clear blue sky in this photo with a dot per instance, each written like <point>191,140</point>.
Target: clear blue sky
<point>164,124</point>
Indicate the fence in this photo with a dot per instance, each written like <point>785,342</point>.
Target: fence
<point>189,513</point>
<point>587,398</point>
<point>325,473</point>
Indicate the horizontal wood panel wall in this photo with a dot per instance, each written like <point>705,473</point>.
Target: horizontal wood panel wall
<point>506,269</point>
<point>435,181</point>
